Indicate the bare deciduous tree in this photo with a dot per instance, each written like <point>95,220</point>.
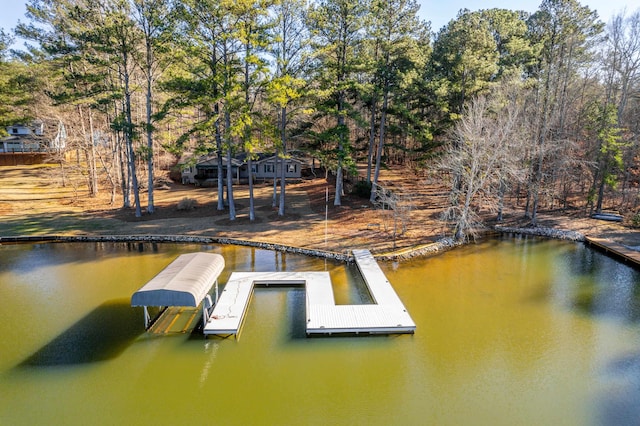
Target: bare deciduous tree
<point>485,155</point>
<point>396,206</point>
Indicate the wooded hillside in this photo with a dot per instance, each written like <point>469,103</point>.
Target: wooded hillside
<point>543,107</point>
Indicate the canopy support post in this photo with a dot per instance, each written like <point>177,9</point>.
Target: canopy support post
<point>147,318</point>
<point>207,307</point>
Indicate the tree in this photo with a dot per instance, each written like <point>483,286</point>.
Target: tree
<point>465,59</point>
<point>5,42</point>
<point>336,27</point>
<point>231,87</point>
<point>252,33</point>
<point>18,82</point>
<point>154,18</point>
<point>621,59</point>
<point>198,82</point>
<point>604,127</point>
<point>289,45</point>
<point>116,36</point>
<point>564,32</point>
<point>484,155</point>
<point>475,50</point>
<point>620,66</point>
<point>63,50</point>
<point>397,32</point>
<point>213,80</point>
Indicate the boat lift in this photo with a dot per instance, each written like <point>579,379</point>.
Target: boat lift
<point>186,281</point>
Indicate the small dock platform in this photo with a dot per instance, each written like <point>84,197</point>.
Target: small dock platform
<point>387,316</point>
<point>615,249</point>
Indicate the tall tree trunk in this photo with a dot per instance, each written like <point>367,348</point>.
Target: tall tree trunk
<point>129,139</point>
<point>372,139</point>
<point>93,168</point>
<point>501,190</point>
<point>252,215</point>
<point>283,171</point>
<point>219,160</point>
<point>274,198</point>
<point>232,207</point>
<point>383,119</point>
<point>600,193</point>
<point>247,129</point>
<point>124,169</point>
<point>149,128</point>
<point>337,201</point>
<point>89,152</point>
<point>538,165</point>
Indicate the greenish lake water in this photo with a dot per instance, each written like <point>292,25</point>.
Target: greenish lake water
<point>515,331</point>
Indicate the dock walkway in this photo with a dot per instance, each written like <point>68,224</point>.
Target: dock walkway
<point>379,287</point>
<point>616,249</point>
<point>387,316</point>
<point>228,314</point>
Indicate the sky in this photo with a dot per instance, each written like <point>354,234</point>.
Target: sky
<point>439,12</point>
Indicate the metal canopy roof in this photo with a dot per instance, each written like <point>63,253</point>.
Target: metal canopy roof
<point>184,282</point>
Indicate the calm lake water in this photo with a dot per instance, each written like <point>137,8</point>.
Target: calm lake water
<point>509,332</point>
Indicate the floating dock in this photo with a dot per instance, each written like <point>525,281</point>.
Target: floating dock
<point>615,249</point>
<point>387,316</point>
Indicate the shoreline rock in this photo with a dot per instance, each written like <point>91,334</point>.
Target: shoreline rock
<point>552,233</point>
<point>437,247</point>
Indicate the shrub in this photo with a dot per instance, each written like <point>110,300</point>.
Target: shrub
<point>635,220</point>
<point>187,204</point>
<point>362,189</point>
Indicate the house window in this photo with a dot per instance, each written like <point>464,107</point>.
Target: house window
<point>292,168</point>
<point>254,168</point>
<point>268,168</point>
<point>14,130</point>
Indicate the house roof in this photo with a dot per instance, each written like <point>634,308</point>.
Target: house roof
<point>271,157</point>
<point>212,161</point>
<point>256,156</point>
<point>238,160</point>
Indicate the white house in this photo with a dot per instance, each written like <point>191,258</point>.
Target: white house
<point>32,138</point>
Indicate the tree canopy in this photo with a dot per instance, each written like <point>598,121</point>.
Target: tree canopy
<point>142,83</point>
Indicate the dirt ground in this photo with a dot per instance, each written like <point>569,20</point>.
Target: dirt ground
<point>35,201</point>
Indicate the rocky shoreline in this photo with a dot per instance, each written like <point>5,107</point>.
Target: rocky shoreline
<point>436,247</point>
<point>551,233</point>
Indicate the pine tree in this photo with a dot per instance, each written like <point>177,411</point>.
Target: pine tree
<point>155,20</point>
<point>336,27</point>
<point>563,31</point>
<point>397,32</point>
<point>289,44</point>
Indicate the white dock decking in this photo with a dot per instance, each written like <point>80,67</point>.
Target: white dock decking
<point>323,316</point>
